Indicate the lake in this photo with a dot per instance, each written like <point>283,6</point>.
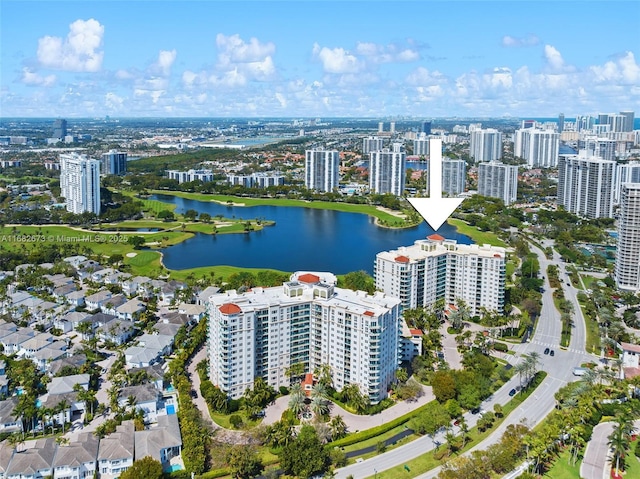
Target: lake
<point>302,239</point>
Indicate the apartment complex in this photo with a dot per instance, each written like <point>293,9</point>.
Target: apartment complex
<point>539,148</point>
<point>421,145</point>
<point>388,170</point>
<point>257,180</point>
<point>454,176</point>
<point>321,168</point>
<point>498,180</point>
<point>586,185</point>
<point>309,321</point>
<point>485,144</point>
<point>80,183</point>
<point>371,143</point>
<point>190,175</point>
<point>114,163</point>
<point>627,267</point>
<point>438,268</point>
<point>625,173</point>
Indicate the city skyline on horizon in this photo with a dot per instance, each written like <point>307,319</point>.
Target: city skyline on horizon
<point>368,59</point>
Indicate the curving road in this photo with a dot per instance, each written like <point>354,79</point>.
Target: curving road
<point>535,408</point>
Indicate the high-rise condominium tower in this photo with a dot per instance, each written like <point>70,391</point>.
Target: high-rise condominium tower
<point>498,180</point>
<point>387,170</point>
<point>306,321</point>
<point>114,163</point>
<point>454,176</point>
<point>60,129</point>
<point>585,185</point>
<point>627,268</point>
<point>371,143</point>
<point>80,183</point>
<point>321,170</point>
<point>485,145</point>
<point>538,147</point>
<point>437,268</point>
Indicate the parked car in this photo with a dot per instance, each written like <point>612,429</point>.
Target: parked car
<point>552,353</point>
<point>546,351</point>
<point>512,392</point>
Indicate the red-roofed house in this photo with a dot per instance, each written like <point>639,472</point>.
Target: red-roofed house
<point>630,359</point>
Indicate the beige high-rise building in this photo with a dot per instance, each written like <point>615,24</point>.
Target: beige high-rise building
<point>627,267</point>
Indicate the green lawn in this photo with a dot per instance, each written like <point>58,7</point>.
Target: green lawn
<point>478,237</point>
<point>561,468</point>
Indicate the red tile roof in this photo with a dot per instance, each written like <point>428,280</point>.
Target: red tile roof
<point>369,313</point>
<point>402,259</point>
<point>230,308</point>
<point>309,278</point>
<point>415,332</point>
<point>630,347</point>
<point>436,237</point>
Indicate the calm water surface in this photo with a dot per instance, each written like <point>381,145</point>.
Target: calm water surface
<point>302,239</point>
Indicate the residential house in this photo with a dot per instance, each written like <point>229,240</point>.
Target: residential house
<point>33,463</point>
<point>76,361</point>
<point>43,357</point>
<point>134,286</point>
<point>162,442</point>
<point>115,452</point>
<point>111,306</point>
<point>12,342</point>
<point>6,453</point>
<point>99,275</point>
<point>61,292</point>
<point>195,312</point>
<point>630,359</point>
<point>170,289</point>
<point>77,460</point>
<point>203,297</point>
<point>144,397</point>
<point>95,301</point>
<point>4,381</point>
<point>130,309</point>
<point>76,298</point>
<point>149,349</point>
<point>9,420</point>
<point>116,331</point>
<point>154,374</point>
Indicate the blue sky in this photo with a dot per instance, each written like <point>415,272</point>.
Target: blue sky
<point>318,58</point>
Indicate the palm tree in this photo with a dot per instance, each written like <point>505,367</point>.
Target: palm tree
<point>450,438</point>
<point>319,406</point>
<point>619,442</point>
<point>297,399</point>
<point>464,429</point>
<point>338,427</point>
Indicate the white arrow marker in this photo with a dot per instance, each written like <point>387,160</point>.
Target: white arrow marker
<point>435,209</point>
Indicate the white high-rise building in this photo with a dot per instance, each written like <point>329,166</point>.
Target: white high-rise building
<point>437,268</point>
<point>625,173</point>
<point>538,147</point>
<point>387,170</point>
<point>190,175</point>
<point>80,183</point>
<point>485,145</point>
<point>421,145</point>
<point>585,185</point>
<point>371,143</point>
<point>627,267</point>
<point>114,163</point>
<point>629,119</point>
<point>454,176</point>
<point>321,170</point>
<point>308,321</point>
<point>498,180</point>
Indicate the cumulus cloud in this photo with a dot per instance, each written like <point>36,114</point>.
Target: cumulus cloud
<point>79,52</point>
<point>528,41</point>
<point>624,69</point>
<point>337,60</point>
<point>233,49</point>
<point>554,61</point>
<point>34,79</point>
<point>165,60</point>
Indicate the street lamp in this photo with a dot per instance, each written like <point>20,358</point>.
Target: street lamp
<point>375,474</point>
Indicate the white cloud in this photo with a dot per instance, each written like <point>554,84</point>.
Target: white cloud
<point>624,69</point>
<point>528,41</point>
<point>554,61</point>
<point>391,53</point>
<point>235,50</point>
<point>281,99</point>
<point>165,60</point>
<point>79,52</point>
<point>337,60</point>
<point>34,79</point>
<point>113,101</point>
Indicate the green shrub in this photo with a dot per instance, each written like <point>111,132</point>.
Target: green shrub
<point>235,420</point>
<point>500,347</point>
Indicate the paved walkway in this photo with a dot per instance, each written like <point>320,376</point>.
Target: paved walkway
<point>596,463</point>
<point>357,422</point>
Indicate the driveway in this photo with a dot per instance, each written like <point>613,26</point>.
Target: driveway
<point>594,465</point>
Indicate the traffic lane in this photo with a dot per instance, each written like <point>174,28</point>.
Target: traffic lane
<point>594,463</point>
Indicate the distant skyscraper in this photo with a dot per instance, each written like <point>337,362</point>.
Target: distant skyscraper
<point>538,147</point>
<point>560,122</point>
<point>629,118</point>
<point>627,267</point>
<point>485,145</point>
<point>421,145</point>
<point>392,127</point>
<point>454,176</point>
<point>114,163</point>
<point>372,143</point>
<point>380,127</point>
<point>321,170</point>
<point>498,180</point>
<point>80,183</point>
<point>585,122</point>
<point>585,185</point>
<point>426,127</point>
<point>59,129</point>
<point>387,170</point>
